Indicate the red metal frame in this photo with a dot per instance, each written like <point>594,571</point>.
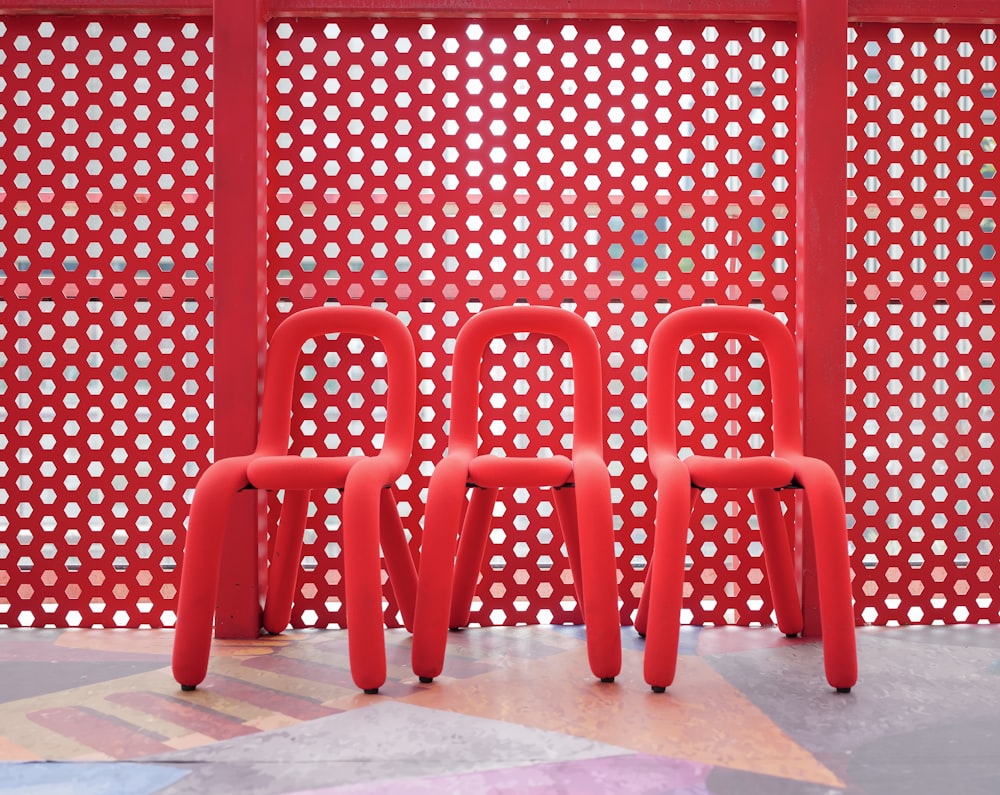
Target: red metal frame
<point>240,30</point>
<point>821,242</point>
<point>747,10</point>
<point>240,267</point>
<point>116,7</point>
<point>921,11</point>
<point>924,11</point>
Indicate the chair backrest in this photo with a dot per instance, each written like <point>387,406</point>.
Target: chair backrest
<point>471,344</point>
<point>282,367</point>
<point>734,321</point>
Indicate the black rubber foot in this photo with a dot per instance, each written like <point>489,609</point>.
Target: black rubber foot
<point>641,635</point>
<point>188,688</point>
<point>371,691</point>
<point>426,680</point>
<point>791,635</point>
<point>607,679</point>
<point>659,689</point>
<point>455,629</point>
<point>843,690</point>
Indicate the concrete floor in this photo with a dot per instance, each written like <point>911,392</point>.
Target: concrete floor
<point>88,712</point>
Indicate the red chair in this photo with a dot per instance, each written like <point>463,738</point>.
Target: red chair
<point>581,484</point>
<point>369,505</point>
<point>680,481</point>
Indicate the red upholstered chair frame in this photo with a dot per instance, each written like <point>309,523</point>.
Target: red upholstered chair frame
<point>680,481</point>
<point>581,494</point>
<point>369,506</point>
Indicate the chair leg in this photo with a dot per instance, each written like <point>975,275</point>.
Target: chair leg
<point>363,578</point>
<point>200,568</point>
<point>435,574</point>
<point>642,612</point>
<point>398,559</point>
<point>665,582</point>
<point>598,567</point>
<point>283,569</point>
<point>564,499</point>
<point>825,504</point>
<point>471,550</point>
<point>778,561</point>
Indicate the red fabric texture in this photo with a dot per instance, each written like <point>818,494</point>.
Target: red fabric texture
<point>680,481</point>
<point>369,509</point>
<point>456,527</point>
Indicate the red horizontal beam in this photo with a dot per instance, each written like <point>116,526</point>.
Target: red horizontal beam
<point>620,9</point>
<point>118,7</point>
<point>919,11</point>
<point>985,12</point>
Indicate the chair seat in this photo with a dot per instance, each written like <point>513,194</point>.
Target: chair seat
<point>749,472</point>
<point>292,471</point>
<point>493,471</point>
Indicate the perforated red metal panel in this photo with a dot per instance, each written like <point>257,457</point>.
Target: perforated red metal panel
<point>105,289</point>
<point>922,399</point>
<point>437,167</point>
<point>617,169</point>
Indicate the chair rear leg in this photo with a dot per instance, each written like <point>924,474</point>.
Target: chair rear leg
<point>283,568</point>
<point>564,499</point>
<point>471,551</point>
<point>398,559</point>
<point>779,561</point>
<point>200,565</point>
<point>642,612</point>
<point>435,574</point>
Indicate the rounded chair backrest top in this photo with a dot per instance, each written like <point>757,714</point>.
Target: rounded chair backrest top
<point>734,321</point>
<point>359,321</point>
<point>475,336</point>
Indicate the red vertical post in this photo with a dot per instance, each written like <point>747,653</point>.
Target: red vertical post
<point>821,248</point>
<point>240,37</point>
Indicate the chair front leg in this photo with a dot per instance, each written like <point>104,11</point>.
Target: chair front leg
<point>363,500</point>
<point>825,504</point>
<point>598,568</point>
<point>642,613</point>
<point>665,581</point>
<point>200,566</point>
<point>363,576</point>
